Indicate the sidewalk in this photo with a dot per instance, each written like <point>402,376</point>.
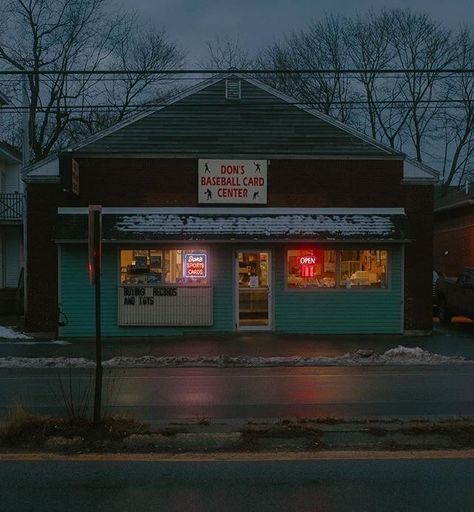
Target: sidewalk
<point>454,340</point>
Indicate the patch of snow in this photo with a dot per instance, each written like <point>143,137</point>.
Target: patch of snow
<point>8,332</point>
<point>55,342</point>
<point>257,225</point>
<point>396,356</point>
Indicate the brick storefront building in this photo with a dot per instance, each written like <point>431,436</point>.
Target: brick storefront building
<point>232,208</point>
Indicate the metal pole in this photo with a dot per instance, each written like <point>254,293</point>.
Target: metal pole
<point>25,141</point>
<point>25,152</point>
<point>98,333</point>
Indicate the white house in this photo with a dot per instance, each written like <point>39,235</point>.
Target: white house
<point>11,225</point>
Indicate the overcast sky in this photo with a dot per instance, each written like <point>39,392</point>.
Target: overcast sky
<point>257,23</point>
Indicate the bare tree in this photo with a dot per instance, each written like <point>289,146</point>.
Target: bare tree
<point>368,44</point>
<point>408,110</point>
<point>321,46</point>
<point>74,35</point>
<point>136,48</point>
<point>226,53</point>
<point>420,43</point>
<point>56,35</point>
<point>141,48</point>
<point>458,121</point>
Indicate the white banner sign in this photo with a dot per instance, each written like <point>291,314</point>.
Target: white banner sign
<point>164,305</point>
<point>232,181</point>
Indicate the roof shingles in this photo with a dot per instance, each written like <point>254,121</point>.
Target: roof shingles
<point>206,123</point>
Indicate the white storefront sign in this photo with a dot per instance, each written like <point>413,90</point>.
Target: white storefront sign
<point>151,305</point>
<point>232,181</point>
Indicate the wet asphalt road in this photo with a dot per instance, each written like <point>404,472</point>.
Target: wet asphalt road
<point>329,486</point>
<point>160,394</point>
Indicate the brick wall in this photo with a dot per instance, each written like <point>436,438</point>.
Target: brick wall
<point>41,263</point>
<point>145,182</point>
<point>454,240</point>
<point>419,257</point>
<point>306,183</point>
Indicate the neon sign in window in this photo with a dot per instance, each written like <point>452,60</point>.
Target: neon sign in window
<point>307,264</point>
<point>163,266</point>
<point>195,265</point>
<point>313,268</point>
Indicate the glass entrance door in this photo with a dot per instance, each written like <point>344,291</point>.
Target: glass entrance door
<point>253,282</point>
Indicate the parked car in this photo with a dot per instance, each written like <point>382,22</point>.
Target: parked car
<point>455,296</point>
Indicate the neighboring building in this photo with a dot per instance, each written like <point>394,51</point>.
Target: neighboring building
<point>454,231</point>
<point>11,226</point>
<point>232,208</point>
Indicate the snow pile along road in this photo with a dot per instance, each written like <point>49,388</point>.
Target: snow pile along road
<point>45,362</point>
<point>395,356</point>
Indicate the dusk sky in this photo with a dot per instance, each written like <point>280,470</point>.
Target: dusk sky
<point>257,23</point>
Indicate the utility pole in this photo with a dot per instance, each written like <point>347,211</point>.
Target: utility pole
<point>25,143</point>
<point>25,160</point>
<point>95,253</point>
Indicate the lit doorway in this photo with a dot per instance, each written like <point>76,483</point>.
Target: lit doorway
<point>253,285</point>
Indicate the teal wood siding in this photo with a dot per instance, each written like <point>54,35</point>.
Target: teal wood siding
<point>340,311</point>
<point>77,296</point>
<point>330,311</point>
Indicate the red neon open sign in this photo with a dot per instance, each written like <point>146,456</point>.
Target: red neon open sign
<point>307,260</point>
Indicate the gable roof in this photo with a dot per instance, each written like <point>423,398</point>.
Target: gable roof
<point>200,121</point>
<point>9,153</point>
<point>263,123</point>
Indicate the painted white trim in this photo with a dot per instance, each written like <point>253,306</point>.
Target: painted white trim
<point>239,156</point>
<point>45,169</point>
<point>414,170</point>
<point>82,210</point>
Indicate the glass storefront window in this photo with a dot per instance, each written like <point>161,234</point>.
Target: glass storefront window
<point>164,266</point>
<point>366,268</point>
<point>317,268</point>
<point>311,268</point>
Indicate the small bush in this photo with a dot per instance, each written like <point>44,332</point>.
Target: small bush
<point>23,428</point>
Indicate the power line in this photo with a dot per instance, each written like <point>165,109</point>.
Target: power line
<point>309,71</point>
<point>144,108</point>
<point>256,104</point>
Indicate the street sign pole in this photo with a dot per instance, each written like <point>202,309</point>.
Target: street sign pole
<point>95,253</point>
